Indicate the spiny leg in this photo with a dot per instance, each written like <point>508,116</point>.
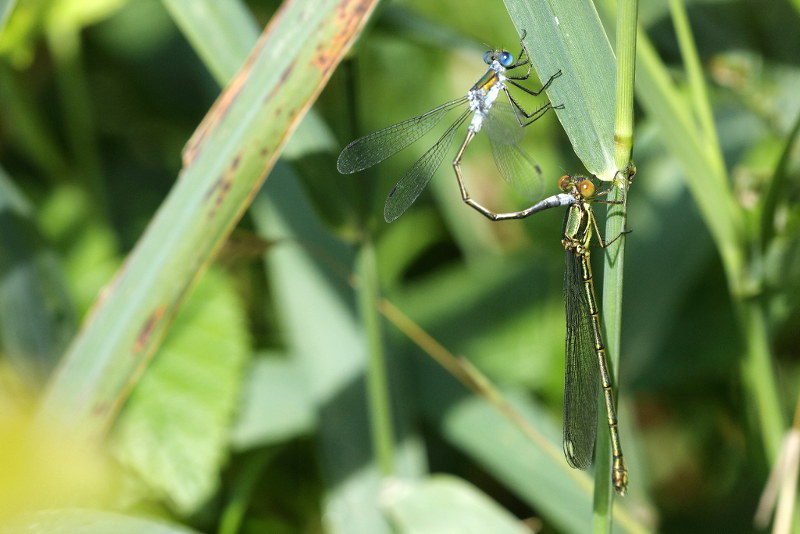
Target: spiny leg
<point>523,53</point>
<point>631,172</point>
<point>528,117</point>
<point>518,109</point>
<point>600,242</point>
<point>513,79</point>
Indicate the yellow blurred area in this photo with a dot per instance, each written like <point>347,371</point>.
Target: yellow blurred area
<point>41,468</point>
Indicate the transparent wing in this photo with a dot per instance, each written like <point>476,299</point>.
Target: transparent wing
<point>515,165</point>
<point>504,123</point>
<point>411,184</point>
<point>581,382</point>
<point>371,149</point>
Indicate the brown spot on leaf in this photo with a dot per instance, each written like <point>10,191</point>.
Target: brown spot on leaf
<point>351,16</point>
<point>223,185</point>
<point>146,331</point>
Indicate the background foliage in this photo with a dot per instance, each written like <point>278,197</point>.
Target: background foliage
<point>258,411</point>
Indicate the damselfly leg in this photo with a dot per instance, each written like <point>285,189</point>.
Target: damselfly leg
<point>515,166</point>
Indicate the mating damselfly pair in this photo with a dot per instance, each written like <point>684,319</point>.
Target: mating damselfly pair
<point>504,122</point>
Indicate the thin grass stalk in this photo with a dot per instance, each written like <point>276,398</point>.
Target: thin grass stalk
<point>697,86</point>
<point>757,368</point>
<point>378,396</point>
<point>615,254</point>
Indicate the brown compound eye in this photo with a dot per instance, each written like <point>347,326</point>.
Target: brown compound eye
<point>564,183</point>
<point>586,188</point>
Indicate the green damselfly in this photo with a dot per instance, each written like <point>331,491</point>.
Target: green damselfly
<point>503,125</point>
<point>585,350</point>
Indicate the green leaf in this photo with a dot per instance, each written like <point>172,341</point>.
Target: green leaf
<point>222,32</point>
<point>81,521</point>
<point>536,476</point>
<point>446,505</point>
<point>568,36</point>
<point>276,404</point>
<point>173,431</point>
<point>225,163</point>
<point>536,472</point>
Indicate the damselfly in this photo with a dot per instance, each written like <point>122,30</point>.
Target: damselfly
<point>585,351</point>
<point>515,165</point>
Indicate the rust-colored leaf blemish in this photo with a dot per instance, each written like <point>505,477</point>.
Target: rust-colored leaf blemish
<point>146,331</point>
<point>351,15</point>
<point>281,82</point>
<point>220,190</point>
<point>215,115</point>
<point>286,73</point>
<point>223,185</point>
<point>225,100</point>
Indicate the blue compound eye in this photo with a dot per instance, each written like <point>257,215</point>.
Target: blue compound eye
<point>506,59</point>
<point>488,57</point>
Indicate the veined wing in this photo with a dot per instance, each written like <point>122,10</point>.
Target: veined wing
<point>581,383</point>
<point>411,184</point>
<point>371,149</point>
<point>515,165</point>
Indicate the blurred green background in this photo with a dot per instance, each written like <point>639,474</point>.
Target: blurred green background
<point>253,416</point>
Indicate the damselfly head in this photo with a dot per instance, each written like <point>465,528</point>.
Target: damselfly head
<point>577,185</point>
<point>504,57</point>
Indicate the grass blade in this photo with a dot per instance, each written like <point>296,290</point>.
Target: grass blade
<point>222,32</point>
<point>225,162</point>
<point>568,36</point>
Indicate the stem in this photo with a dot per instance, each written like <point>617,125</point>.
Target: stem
<point>626,70</point>
<point>758,374</point>
<point>775,188</point>
<point>242,491</point>
<point>666,105</point>
<point>613,273</point>
<point>76,105</point>
<point>627,13</point>
<point>697,85</point>
<point>377,383</point>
